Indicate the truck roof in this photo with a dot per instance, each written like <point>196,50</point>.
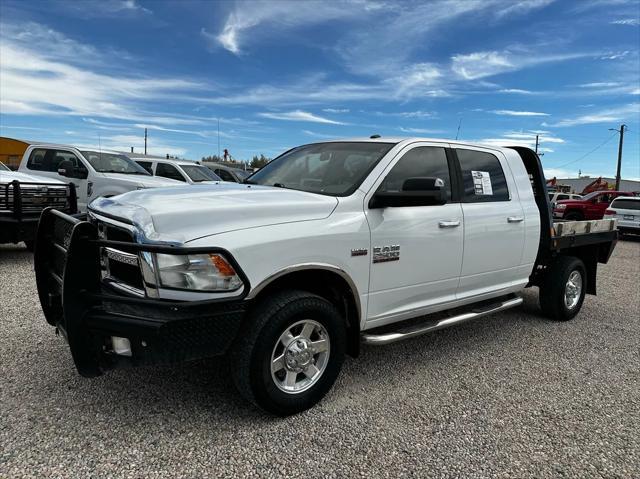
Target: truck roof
<point>409,140</point>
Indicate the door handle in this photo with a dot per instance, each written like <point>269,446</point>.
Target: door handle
<point>449,224</point>
<point>515,219</point>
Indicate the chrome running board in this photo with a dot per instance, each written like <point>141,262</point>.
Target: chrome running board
<point>394,336</point>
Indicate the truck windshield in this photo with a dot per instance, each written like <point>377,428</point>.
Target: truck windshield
<point>200,173</point>
<point>104,162</point>
<point>335,168</point>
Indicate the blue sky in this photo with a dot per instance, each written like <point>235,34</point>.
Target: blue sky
<point>277,74</point>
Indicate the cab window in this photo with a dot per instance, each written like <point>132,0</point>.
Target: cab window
<point>224,174</point>
<point>423,161</point>
<point>42,159</point>
<point>146,165</point>
<point>482,177</point>
<point>169,171</point>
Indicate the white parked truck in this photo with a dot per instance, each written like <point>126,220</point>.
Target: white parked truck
<point>329,246</point>
<point>23,197</point>
<point>94,172</point>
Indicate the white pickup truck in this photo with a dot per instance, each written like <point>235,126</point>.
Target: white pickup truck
<point>329,246</point>
<point>23,197</point>
<point>93,172</point>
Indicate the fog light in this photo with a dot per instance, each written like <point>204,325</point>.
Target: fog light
<point>121,346</point>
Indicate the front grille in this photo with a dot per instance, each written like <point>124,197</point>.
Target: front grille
<point>34,198</point>
<point>120,264</point>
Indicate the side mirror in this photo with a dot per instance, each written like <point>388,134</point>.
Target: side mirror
<point>419,191</point>
<point>64,172</point>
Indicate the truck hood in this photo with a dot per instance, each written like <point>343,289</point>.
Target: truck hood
<point>143,180</point>
<point>186,213</point>
<point>9,176</point>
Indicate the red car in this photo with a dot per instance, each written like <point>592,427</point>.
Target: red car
<point>590,207</point>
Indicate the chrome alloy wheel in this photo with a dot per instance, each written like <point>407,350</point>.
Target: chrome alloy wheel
<point>573,290</point>
<point>300,356</point>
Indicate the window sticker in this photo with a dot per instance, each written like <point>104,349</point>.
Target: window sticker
<point>482,183</point>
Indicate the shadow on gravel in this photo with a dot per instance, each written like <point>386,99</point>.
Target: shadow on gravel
<point>203,390</point>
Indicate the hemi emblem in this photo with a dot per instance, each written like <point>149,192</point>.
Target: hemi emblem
<point>359,252</point>
<point>382,254</point>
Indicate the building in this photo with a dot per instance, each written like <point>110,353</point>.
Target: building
<point>11,151</point>
<point>576,185</point>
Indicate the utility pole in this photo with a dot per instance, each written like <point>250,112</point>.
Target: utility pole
<point>537,143</point>
<point>145,141</point>
<point>218,138</point>
<point>621,131</point>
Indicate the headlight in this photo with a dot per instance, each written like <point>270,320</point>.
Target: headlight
<point>199,272</point>
<point>561,206</point>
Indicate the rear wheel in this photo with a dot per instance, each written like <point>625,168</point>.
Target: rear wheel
<point>290,354</point>
<point>562,293</point>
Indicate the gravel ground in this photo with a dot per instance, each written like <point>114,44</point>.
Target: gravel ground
<point>513,395</point>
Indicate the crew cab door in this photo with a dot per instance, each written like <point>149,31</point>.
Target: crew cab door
<point>494,224</point>
<point>416,250</point>
<point>594,209</point>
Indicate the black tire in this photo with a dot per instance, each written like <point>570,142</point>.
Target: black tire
<point>573,216</point>
<point>31,245</point>
<point>552,291</point>
<point>251,356</point>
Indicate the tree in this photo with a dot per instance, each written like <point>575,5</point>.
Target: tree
<point>259,161</point>
<point>214,158</point>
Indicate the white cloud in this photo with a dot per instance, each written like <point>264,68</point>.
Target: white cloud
<point>517,91</point>
<point>299,115</point>
<point>317,135</point>
<point>248,15</point>
<point>43,80</point>
<point>476,65</point>
<point>621,113</point>
<point>525,138</point>
<point>627,21</point>
<point>421,131</point>
<point>335,110</point>
<point>519,113</point>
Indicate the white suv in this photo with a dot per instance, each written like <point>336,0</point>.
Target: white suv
<point>626,209</point>
<point>180,170</point>
<point>94,172</point>
<point>555,196</point>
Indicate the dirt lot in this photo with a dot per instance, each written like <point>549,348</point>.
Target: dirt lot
<point>513,395</point>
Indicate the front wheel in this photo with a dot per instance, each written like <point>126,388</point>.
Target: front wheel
<point>563,290</point>
<point>291,353</point>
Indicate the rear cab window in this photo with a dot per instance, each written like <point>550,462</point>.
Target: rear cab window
<point>626,204</point>
<point>483,179</point>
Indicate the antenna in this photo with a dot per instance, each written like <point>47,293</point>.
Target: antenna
<point>459,124</point>
<point>145,141</point>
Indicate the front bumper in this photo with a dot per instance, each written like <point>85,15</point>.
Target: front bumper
<point>558,214</point>
<point>14,230</point>
<point>89,313</point>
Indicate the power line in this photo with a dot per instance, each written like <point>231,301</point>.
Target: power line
<point>587,154</point>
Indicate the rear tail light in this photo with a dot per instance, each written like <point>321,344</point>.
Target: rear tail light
<point>610,212</point>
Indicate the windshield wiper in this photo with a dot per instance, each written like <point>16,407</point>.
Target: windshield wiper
<point>279,185</point>
<point>247,181</point>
